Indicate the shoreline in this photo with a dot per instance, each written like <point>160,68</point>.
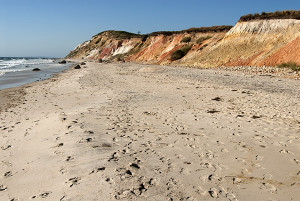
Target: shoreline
<point>11,97</point>
<point>247,70</point>
<point>19,78</point>
<point>149,132</point>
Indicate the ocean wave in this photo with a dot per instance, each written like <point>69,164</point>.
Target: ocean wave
<point>23,62</point>
<point>2,72</point>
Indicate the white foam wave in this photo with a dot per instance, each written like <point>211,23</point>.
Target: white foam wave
<point>21,62</point>
<point>2,72</point>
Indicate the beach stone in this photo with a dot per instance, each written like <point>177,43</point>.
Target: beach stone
<point>77,67</point>
<point>62,62</point>
<point>82,63</point>
<point>36,69</point>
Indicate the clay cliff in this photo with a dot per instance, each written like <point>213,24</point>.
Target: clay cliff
<point>256,40</point>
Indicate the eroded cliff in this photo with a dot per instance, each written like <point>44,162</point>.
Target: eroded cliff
<point>256,42</point>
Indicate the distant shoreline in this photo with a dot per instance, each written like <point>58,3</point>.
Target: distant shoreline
<point>18,78</point>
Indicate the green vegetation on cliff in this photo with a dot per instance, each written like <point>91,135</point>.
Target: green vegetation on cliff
<point>178,54</point>
<point>286,14</point>
<point>201,39</point>
<point>121,35</point>
<point>194,30</point>
<point>291,65</point>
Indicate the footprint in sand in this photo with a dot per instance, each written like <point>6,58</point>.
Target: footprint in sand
<point>231,197</point>
<point>270,188</point>
<point>69,158</point>
<point>185,171</point>
<point>284,151</point>
<point>214,193</point>
<point>74,181</point>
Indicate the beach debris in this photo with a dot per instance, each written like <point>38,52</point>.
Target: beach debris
<point>77,67</point>
<point>36,69</point>
<point>217,99</point>
<point>82,63</point>
<point>3,188</point>
<point>106,144</point>
<point>62,62</point>
<point>212,111</point>
<point>6,147</point>
<point>8,174</point>
<point>256,116</point>
<point>44,195</point>
<point>60,145</point>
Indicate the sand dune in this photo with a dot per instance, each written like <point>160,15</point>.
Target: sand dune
<point>138,132</point>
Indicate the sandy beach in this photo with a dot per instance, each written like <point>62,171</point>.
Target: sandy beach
<point>145,132</point>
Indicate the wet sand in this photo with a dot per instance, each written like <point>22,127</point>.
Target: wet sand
<point>141,132</point>
<point>15,79</point>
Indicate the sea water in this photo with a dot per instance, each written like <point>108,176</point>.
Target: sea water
<point>16,71</point>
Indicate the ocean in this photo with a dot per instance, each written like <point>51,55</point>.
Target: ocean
<point>16,71</point>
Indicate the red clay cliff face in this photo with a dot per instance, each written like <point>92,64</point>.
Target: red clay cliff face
<point>289,52</point>
<point>254,43</point>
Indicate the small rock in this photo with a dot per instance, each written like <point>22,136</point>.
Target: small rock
<point>62,62</point>
<point>135,165</point>
<point>36,69</point>
<point>129,172</point>
<point>256,117</point>
<point>217,99</point>
<point>60,145</point>
<point>77,67</point>
<point>212,111</point>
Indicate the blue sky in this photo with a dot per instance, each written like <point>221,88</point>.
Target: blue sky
<point>54,27</point>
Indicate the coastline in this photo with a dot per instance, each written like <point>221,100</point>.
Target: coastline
<point>12,96</point>
<point>180,133</point>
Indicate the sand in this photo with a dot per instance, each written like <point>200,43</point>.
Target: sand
<point>138,132</point>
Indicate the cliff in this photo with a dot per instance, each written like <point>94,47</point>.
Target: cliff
<point>256,42</point>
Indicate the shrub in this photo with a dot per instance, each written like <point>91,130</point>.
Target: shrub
<point>203,38</point>
<point>97,41</point>
<point>204,46</point>
<point>178,54</point>
<point>121,35</point>
<point>286,14</point>
<point>291,65</point>
<point>186,40</point>
<point>194,30</point>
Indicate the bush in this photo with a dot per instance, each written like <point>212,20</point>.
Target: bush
<point>203,38</point>
<point>286,14</point>
<point>194,30</point>
<point>291,65</point>
<point>121,35</point>
<point>186,40</point>
<point>178,54</point>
